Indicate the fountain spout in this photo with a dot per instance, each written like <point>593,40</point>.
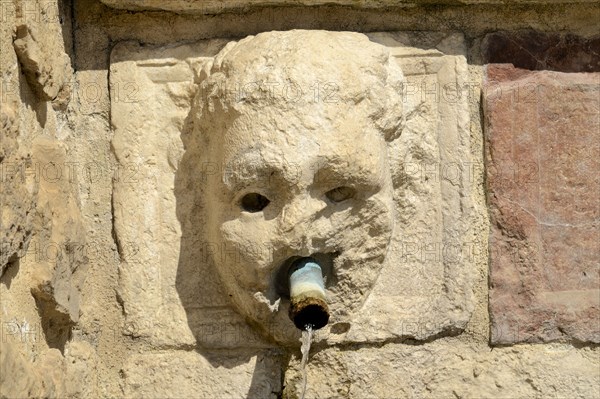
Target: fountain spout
<point>307,295</point>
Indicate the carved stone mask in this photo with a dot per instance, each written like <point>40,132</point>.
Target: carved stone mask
<point>294,128</point>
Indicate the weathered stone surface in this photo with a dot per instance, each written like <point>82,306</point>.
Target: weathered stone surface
<point>41,54</point>
<point>57,253</point>
<point>543,163</point>
<point>448,368</point>
<point>51,375</point>
<point>81,370</point>
<point>17,375</point>
<point>216,7</point>
<point>41,229</point>
<point>148,147</point>
<point>98,360</point>
<point>169,284</point>
<point>192,375</point>
<point>543,51</point>
<point>17,190</point>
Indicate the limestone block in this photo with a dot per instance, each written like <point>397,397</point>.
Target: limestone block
<point>448,368</point>
<point>170,290</point>
<point>190,375</point>
<point>81,373</point>
<point>21,377</point>
<point>18,190</point>
<point>50,374</point>
<point>40,51</point>
<point>17,376</point>
<point>216,6</point>
<point>10,129</point>
<point>57,253</point>
<point>542,157</point>
<point>51,368</point>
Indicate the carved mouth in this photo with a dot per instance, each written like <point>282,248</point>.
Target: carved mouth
<point>281,277</point>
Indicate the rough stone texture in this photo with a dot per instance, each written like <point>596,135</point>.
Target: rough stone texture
<point>172,277</point>
<point>158,91</point>
<point>448,368</point>
<point>542,135</point>
<point>103,347</point>
<point>17,377</point>
<point>41,53</point>
<point>222,375</point>
<point>51,375</point>
<point>42,257</point>
<point>56,254</point>
<point>18,191</point>
<point>216,6</point>
<point>543,51</point>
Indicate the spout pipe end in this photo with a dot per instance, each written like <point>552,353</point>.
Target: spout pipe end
<point>307,295</point>
<point>309,310</point>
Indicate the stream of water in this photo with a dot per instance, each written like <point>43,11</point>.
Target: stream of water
<point>307,336</point>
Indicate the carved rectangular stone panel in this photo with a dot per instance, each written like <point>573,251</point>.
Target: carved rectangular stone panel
<point>171,294</point>
<point>543,164</point>
<point>425,286</point>
<point>151,95</point>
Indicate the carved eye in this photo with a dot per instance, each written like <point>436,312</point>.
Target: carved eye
<point>254,202</point>
<point>340,194</point>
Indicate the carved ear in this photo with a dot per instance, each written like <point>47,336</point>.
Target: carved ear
<point>393,120</point>
<point>211,64</point>
<point>218,60</point>
<point>202,71</point>
<point>211,60</point>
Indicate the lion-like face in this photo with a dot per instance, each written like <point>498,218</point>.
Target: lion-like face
<point>278,193</point>
<point>294,180</point>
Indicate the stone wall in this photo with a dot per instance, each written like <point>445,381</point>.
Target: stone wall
<point>491,285</point>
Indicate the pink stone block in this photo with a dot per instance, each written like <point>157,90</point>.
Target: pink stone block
<point>543,167</point>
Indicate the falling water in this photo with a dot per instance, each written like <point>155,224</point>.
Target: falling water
<point>306,339</point>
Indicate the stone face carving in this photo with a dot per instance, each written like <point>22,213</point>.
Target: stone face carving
<point>176,221</point>
<point>293,127</point>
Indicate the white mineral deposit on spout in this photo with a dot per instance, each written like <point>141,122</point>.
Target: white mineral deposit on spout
<point>306,340</point>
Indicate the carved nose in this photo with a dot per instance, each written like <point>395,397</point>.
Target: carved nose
<point>300,211</point>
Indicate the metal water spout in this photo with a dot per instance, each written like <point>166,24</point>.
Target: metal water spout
<point>307,295</point>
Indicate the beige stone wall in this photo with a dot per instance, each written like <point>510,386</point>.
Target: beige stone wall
<point>81,319</point>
